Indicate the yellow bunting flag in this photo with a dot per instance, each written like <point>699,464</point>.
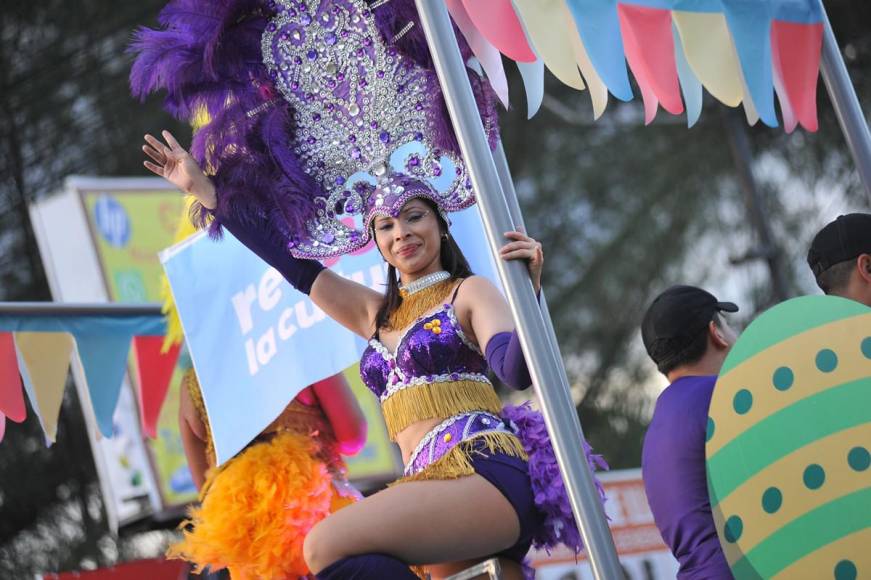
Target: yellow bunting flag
<point>545,25</point>
<point>711,54</point>
<point>44,363</point>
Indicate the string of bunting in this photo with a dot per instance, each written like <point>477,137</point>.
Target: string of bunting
<point>740,52</point>
<point>35,355</point>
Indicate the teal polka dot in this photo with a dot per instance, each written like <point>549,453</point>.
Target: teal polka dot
<point>709,432</point>
<point>814,476</point>
<point>733,530</point>
<point>859,459</point>
<point>866,347</point>
<point>846,570</point>
<point>743,401</point>
<point>783,378</point>
<point>772,499</point>
<point>827,360</point>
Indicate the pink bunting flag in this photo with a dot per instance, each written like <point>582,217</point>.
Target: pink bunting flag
<point>153,373</point>
<point>648,42</point>
<point>498,22</point>
<point>486,53</point>
<point>11,391</point>
<point>796,50</point>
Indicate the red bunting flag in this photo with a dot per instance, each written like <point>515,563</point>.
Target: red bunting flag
<point>648,42</point>
<point>153,373</point>
<point>11,393</point>
<point>796,52</point>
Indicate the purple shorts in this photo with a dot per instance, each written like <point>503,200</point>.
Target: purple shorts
<point>510,476</point>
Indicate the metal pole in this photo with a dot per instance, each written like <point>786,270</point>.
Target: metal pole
<point>78,309</point>
<point>846,103</point>
<point>557,406</point>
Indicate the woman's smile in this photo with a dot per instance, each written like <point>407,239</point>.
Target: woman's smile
<point>408,250</point>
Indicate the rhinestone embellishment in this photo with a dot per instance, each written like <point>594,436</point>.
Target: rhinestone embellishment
<point>356,101</point>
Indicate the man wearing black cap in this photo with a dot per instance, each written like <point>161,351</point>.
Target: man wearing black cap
<point>840,257</point>
<point>687,337</point>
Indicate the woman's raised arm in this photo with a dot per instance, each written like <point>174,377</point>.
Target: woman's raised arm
<point>352,305</point>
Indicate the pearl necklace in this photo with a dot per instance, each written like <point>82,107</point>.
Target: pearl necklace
<point>425,282</point>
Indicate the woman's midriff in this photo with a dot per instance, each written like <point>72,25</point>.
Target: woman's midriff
<point>408,438</point>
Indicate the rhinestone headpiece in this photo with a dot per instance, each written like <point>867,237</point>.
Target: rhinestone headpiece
<point>363,116</point>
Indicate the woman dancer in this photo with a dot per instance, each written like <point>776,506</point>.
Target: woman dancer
<point>257,508</point>
<point>358,147</point>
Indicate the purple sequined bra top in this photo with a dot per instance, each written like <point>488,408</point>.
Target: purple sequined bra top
<point>432,350</point>
<point>435,373</point>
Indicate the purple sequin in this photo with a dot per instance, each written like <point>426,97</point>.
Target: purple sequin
<point>422,353</point>
<point>448,435</point>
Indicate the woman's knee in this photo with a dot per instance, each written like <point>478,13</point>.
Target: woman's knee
<point>321,548</point>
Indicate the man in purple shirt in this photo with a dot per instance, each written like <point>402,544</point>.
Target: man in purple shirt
<point>687,337</point>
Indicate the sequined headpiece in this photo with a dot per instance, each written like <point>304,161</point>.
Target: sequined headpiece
<point>363,118</point>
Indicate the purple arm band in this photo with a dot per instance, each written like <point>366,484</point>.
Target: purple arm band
<point>300,273</point>
<point>505,357</point>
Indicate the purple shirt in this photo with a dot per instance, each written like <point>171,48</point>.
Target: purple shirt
<point>673,467</point>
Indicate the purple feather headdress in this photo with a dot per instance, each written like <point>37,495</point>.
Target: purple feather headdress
<point>285,85</point>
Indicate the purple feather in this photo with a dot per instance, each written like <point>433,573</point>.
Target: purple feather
<point>551,498</point>
<point>207,57</point>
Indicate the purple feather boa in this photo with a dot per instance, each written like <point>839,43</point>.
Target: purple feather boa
<point>559,525</point>
<point>207,57</point>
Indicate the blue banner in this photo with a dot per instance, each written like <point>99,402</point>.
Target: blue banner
<point>255,341</point>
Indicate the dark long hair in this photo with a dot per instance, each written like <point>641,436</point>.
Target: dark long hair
<point>452,259</point>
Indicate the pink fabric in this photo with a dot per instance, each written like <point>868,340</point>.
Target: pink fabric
<point>11,392</point>
<point>339,405</point>
<point>796,52</point>
<point>649,44</point>
<point>498,22</point>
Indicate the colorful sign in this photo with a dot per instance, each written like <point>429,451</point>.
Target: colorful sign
<point>129,228</point>
<point>789,443</point>
<point>378,460</point>
<point>640,548</point>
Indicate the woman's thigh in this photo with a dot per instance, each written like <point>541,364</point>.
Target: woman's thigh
<point>421,522</point>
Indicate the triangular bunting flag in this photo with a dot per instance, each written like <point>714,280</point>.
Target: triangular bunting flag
<point>153,373</point>
<point>104,359</point>
<point>44,359</point>
<point>11,393</point>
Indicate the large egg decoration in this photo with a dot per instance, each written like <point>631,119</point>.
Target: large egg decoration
<point>789,444</point>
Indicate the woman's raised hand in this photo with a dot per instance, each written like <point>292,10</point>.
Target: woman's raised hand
<point>525,248</point>
<point>172,162</point>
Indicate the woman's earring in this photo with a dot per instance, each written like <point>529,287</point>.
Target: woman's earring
<point>444,236</point>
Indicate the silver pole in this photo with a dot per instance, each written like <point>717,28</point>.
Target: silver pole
<point>846,103</point>
<point>78,309</point>
<point>557,407</point>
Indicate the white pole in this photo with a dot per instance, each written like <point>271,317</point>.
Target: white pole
<point>846,103</point>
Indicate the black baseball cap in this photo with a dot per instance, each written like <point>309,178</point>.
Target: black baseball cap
<point>676,317</point>
<point>843,239</point>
